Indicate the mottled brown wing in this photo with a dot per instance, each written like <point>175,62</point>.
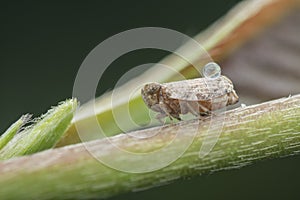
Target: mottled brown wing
<point>200,89</point>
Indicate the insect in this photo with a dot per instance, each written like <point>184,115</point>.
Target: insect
<point>197,96</point>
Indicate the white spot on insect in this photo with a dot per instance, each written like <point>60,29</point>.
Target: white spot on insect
<point>243,105</point>
<point>211,70</point>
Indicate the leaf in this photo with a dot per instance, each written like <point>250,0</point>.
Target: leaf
<point>12,130</point>
<point>42,135</point>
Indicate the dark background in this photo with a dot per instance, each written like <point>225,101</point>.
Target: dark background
<point>43,45</point>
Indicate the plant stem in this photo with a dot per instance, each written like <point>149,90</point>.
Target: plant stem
<point>250,134</point>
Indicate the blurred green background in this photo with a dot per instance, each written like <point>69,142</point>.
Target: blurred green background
<point>43,45</point>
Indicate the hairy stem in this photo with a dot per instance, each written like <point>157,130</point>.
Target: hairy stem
<point>248,135</point>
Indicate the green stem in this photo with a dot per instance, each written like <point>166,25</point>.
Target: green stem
<point>250,134</point>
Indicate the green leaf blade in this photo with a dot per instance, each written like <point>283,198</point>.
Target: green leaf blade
<point>42,135</point>
<point>13,130</point>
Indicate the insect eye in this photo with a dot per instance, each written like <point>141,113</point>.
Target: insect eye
<point>154,89</point>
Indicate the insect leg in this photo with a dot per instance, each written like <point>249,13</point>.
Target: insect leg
<point>168,111</point>
<point>163,107</point>
<point>166,108</point>
<point>197,109</point>
<point>160,116</point>
<point>192,109</point>
<point>206,110</point>
<point>176,116</point>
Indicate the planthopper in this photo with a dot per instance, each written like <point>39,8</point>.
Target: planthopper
<point>198,96</point>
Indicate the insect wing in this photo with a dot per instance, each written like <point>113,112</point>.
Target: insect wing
<point>201,89</point>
